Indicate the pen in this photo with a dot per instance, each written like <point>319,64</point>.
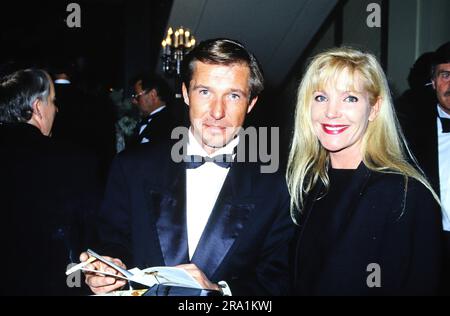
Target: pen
<point>126,273</point>
<point>80,265</point>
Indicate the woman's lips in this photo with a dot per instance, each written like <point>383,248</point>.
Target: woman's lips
<point>334,129</point>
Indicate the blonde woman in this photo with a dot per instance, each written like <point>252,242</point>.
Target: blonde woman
<point>368,221</point>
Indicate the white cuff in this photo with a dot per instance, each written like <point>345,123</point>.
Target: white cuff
<point>224,288</point>
<point>445,220</point>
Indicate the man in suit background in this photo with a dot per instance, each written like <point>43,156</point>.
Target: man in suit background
<point>427,132</point>
<point>152,96</point>
<point>47,191</point>
<point>441,84</point>
<point>427,129</point>
<point>225,223</point>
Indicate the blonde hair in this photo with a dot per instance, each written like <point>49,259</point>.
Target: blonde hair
<point>383,145</point>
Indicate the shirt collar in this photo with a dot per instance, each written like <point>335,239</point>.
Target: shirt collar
<point>442,114</point>
<point>62,81</point>
<point>194,148</point>
<point>158,109</point>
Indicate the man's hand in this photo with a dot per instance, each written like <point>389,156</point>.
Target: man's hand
<point>199,276</point>
<point>99,283</point>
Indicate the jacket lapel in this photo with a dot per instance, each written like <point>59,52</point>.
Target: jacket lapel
<point>169,209</point>
<point>432,161</point>
<point>228,218</point>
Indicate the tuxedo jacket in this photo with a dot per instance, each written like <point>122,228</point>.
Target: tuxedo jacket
<point>49,196</point>
<point>388,223</point>
<point>245,241</point>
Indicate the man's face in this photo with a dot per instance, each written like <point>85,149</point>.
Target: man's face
<point>441,84</point>
<point>218,100</point>
<point>141,99</point>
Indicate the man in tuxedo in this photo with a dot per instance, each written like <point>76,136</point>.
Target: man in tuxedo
<point>152,96</point>
<point>428,133</point>
<point>223,221</point>
<point>428,130</point>
<point>47,192</point>
<point>441,83</point>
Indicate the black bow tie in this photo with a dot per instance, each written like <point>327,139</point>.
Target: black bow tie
<point>445,125</point>
<point>195,161</point>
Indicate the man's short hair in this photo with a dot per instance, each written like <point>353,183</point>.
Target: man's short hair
<point>222,51</point>
<point>441,56</point>
<point>19,90</point>
<point>161,86</point>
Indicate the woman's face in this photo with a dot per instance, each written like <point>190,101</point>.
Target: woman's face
<point>340,118</point>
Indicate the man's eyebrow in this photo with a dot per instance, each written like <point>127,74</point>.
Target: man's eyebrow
<point>200,86</point>
<point>235,90</point>
<point>239,91</point>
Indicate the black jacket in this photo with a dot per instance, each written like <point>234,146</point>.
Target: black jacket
<point>158,129</point>
<point>48,199</point>
<point>419,124</point>
<point>245,241</point>
<point>395,226</point>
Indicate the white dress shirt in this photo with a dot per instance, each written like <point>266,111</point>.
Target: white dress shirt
<point>62,81</point>
<point>203,186</point>
<point>444,169</point>
<point>143,126</point>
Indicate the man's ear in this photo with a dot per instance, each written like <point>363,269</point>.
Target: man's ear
<point>185,93</point>
<point>252,104</point>
<point>375,109</point>
<point>152,94</point>
<point>37,108</point>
